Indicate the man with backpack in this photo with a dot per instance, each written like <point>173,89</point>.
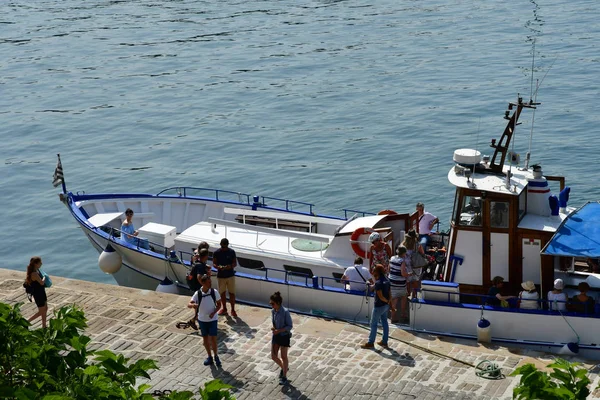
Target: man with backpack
<point>206,301</point>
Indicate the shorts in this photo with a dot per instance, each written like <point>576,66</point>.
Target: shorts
<point>416,275</point>
<point>40,298</point>
<point>208,328</point>
<point>226,284</point>
<point>398,291</point>
<point>281,340</point>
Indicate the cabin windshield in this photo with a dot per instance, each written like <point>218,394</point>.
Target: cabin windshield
<point>470,211</point>
<point>499,214</point>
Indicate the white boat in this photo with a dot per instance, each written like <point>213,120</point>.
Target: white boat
<point>285,249</point>
<point>504,216</point>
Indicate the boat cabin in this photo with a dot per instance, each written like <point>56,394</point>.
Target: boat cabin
<point>502,218</point>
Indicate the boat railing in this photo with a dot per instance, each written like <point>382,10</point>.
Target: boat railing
<point>288,205</point>
<point>141,243</point>
<point>349,213</point>
<point>513,304</point>
<point>307,280</point>
<point>217,194</point>
<point>274,203</point>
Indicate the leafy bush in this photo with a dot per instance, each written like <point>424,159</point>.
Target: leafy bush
<point>55,364</point>
<point>565,382</point>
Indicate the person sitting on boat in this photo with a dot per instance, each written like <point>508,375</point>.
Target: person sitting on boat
<point>128,231</point>
<point>357,276</point>
<point>494,297</point>
<point>224,261</point>
<point>398,275</point>
<point>529,298</point>
<point>380,252</point>
<point>582,303</point>
<point>414,274</point>
<point>593,264</point>
<point>557,299</point>
<point>426,222</point>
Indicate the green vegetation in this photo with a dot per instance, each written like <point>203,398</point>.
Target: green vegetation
<point>55,363</point>
<point>565,382</point>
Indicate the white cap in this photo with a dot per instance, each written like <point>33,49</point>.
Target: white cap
<point>559,284</point>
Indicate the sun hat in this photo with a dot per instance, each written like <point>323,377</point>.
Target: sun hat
<point>559,284</point>
<point>529,286</point>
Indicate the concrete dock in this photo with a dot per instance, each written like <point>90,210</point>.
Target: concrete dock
<point>326,361</point>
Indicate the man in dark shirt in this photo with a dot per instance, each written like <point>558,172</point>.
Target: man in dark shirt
<point>380,309</point>
<point>224,261</point>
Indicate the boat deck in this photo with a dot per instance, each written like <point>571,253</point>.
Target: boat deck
<point>253,240</point>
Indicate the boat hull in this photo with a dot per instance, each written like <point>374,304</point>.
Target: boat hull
<point>542,330</point>
<point>301,294</point>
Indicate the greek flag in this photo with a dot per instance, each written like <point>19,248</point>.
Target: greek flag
<point>58,176</point>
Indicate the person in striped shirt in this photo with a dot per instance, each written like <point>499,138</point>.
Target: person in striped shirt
<point>397,276</point>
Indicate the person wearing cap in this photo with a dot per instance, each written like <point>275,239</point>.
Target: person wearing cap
<point>426,222</point>
<point>557,299</point>
<point>582,303</point>
<point>529,298</point>
<point>380,252</point>
<point>224,261</point>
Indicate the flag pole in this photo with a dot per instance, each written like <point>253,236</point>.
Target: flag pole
<point>64,185</point>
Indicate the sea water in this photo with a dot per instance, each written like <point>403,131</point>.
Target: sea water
<point>344,104</point>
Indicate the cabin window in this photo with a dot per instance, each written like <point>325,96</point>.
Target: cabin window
<point>499,214</point>
<point>298,271</point>
<point>470,211</point>
<point>522,204</point>
<point>250,263</point>
<point>337,276</point>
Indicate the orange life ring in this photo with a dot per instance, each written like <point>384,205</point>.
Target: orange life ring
<point>387,212</point>
<point>354,242</point>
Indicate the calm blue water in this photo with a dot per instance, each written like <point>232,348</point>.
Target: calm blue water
<point>354,104</point>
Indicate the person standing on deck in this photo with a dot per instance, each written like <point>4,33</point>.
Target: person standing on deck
<point>224,260</point>
<point>426,222</point>
<point>380,252</point>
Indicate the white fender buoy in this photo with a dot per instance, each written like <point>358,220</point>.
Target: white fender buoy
<point>109,260</point>
<point>484,331</point>
<point>569,349</point>
<point>167,286</point>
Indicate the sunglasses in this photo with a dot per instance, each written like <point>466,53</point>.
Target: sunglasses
<point>272,303</point>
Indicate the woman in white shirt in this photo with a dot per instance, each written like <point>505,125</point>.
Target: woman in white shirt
<point>556,298</point>
<point>529,298</point>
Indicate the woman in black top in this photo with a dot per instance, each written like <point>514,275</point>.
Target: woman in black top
<point>37,283</point>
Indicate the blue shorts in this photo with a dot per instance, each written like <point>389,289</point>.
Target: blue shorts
<point>208,328</point>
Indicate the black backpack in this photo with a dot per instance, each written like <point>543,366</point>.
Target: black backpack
<point>28,290</point>
<point>212,294</point>
<point>192,276</point>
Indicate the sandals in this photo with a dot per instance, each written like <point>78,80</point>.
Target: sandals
<point>182,325</point>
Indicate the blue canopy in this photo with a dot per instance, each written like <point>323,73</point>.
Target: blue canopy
<point>578,235</point>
